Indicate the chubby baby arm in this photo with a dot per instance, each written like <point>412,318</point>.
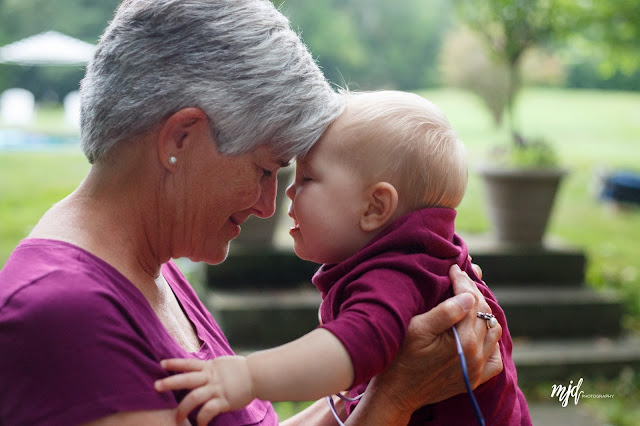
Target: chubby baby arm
<point>219,385</point>
<point>313,366</point>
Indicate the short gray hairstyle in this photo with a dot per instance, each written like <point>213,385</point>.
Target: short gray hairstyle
<point>237,60</point>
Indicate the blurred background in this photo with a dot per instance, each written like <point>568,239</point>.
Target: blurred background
<point>565,72</point>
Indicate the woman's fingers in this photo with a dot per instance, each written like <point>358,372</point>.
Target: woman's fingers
<point>441,318</point>
<point>493,367</point>
<point>462,283</point>
<point>480,344</point>
<point>476,268</point>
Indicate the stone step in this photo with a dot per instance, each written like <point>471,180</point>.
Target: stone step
<point>552,264</point>
<point>260,269</point>
<point>560,312</point>
<point>272,317</point>
<point>254,324</point>
<point>267,318</point>
<point>559,361</point>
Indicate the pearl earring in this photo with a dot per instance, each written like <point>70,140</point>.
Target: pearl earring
<point>173,160</point>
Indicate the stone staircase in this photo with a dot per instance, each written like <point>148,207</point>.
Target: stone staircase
<point>561,328</point>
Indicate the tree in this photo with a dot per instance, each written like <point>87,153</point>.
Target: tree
<point>373,43</point>
<point>611,29</point>
<point>509,28</point>
<point>611,32</point>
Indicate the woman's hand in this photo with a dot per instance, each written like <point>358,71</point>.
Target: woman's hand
<point>427,370</point>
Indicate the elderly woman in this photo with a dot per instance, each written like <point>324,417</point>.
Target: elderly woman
<point>189,108</point>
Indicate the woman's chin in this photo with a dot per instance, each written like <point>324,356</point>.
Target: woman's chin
<point>214,258</point>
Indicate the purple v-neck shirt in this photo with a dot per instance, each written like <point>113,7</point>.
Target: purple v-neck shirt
<point>78,341</point>
<point>369,299</point>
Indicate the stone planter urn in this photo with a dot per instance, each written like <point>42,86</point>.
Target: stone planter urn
<point>520,202</point>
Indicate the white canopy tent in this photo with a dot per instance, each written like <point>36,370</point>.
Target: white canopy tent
<point>47,48</point>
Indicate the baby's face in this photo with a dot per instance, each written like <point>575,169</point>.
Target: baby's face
<point>327,198</point>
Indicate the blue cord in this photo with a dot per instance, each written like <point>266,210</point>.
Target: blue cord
<point>465,375</point>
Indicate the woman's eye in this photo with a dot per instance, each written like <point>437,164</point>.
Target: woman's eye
<point>267,173</point>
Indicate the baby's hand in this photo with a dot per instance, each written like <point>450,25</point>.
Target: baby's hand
<point>219,385</point>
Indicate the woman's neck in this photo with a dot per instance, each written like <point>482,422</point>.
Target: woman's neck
<point>110,216</point>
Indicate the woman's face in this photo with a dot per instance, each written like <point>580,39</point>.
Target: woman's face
<point>223,192</point>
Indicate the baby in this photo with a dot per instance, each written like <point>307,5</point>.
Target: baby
<point>373,201</point>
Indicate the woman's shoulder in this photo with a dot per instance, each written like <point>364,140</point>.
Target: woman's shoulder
<point>48,277</point>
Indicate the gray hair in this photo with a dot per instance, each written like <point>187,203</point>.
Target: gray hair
<point>237,60</point>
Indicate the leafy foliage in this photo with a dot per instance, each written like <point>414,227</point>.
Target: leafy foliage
<point>370,44</point>
<point>465,64</point>
<point>512,27</point>
<point>535,152</point>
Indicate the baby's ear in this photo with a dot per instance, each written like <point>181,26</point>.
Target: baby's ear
<point>381,202</point>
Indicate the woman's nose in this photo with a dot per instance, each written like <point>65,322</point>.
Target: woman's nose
<point>266,204</point>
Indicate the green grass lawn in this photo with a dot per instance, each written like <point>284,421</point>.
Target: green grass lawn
<point>30,183</point>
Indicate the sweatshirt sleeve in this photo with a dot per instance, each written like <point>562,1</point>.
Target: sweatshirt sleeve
<point>372,319</point>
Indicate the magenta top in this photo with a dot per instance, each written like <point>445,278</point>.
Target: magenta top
<point>369,299</point>
<point>78,341</point>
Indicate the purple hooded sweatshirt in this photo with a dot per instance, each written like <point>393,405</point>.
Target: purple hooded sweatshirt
<point>369,299</point>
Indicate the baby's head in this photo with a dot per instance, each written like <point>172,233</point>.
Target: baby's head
<point>387,154</point>
<point>406,140</point>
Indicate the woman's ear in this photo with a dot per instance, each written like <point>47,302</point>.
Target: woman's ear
<point>380,205</point>
<point>177,130</point>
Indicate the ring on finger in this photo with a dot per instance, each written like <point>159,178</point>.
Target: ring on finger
<point>490,318</point>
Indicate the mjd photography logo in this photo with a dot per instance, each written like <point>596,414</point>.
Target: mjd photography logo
<point>563,393</point>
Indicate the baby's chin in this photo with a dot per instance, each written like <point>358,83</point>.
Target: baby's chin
<point>306,256</point>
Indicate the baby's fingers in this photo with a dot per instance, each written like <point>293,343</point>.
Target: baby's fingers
<point>195,398</point>
<point>181,381</point>
<point>182,364</point>
<point>211,409</point>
